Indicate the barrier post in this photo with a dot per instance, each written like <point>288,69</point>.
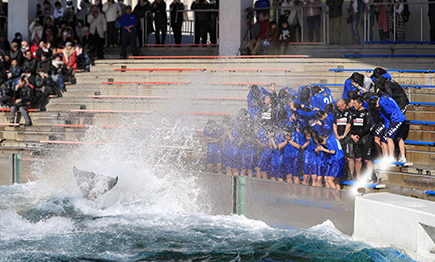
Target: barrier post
<point>241,195</point>
<point>15,164</point>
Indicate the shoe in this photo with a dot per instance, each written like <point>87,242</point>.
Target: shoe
<point>402,159</point>
<point>27,124</point>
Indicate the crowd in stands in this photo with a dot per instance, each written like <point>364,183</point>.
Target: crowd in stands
<point>305,133</point>
<point>274,30</point>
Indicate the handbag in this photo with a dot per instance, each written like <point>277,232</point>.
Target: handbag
<point>349,19</point>
<point>118,23</point>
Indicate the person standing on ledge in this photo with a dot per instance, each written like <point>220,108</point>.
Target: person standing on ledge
<point>128,25</point>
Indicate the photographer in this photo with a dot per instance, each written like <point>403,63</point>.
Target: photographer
<point>256,43</point>
<point>43,89</point>
<point>58,69</point>
<point>98,28</point>
<point>202,20</point>
<point>21,97</point>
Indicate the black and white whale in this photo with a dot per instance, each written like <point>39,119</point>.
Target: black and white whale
<point>93,185</point>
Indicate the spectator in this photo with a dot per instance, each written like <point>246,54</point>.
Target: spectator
<point>99,4</point>
<point>69,58</point>
<point>128,24</point>
<point>15,70</point>
<point>89,46</point>
<point>143,10</point>
<point>262,25</point>
<point>57,70</point>
<point>295,20</point>
<point>79,29</point>
<point>160,20</point>
<point>431,14</point>
<point>34,48</point>
<point>113,12</point>
<point>69,15</point>
<point>65,38</point>
<point>277,4</point>
<point>177,19</point>
<point>16,53</point>
<point>21,97</point>
<point>335,14</point>
<point>261,6</point>
<point>313,19</point>
<point>384,20</point>
<point>43,48</point>
<point>399,8</point>
<point>43,89</point>
<point>49,38</point>
<point>353,9</point>
<point>284,36</point>
<point>18,39</point>
<point>24,47</point>
<point>214,16</point>
<point>85,9</point>
<point>58,13</point>
<point>50,25</point>
<point>98,28</point>
<point>48,9</point>
<point>36,30</point>
<point>367,11</point>
<point>5,47</point>
<point>202,20</point>
<point>45,62</point>
<point>30,62</point>
<point>272,36</point>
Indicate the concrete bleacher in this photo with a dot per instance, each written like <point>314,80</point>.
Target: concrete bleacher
<point>92,103</point>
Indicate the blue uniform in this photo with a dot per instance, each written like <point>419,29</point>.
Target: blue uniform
<point>253,106</point>
<point>292,160</point>
<point>336,160</point>
<point>231,150</point>
<point>322,99</point>
<point>214,150</point>
<point>326,127</point>
<point>309,163</point>
<point>347,88</point>
<point>265,157</point>
<point>277,162</point>
<point>393,118</point>
<point>247,155</point>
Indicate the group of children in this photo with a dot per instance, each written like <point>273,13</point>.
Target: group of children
<point>305,134</point>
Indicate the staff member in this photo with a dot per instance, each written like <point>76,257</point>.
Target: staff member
<point>128,24</point>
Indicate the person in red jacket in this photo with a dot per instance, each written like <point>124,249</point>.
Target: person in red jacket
<point>256,44</point>
<point>69,58</point>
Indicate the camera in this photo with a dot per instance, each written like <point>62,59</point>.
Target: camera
<point>250,13</point>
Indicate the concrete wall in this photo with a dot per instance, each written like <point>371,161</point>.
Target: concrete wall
<point>388,220</point>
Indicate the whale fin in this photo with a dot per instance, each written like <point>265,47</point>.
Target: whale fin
<point>93,185</point>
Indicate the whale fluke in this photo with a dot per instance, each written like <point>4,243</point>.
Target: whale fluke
<point>93,185</point>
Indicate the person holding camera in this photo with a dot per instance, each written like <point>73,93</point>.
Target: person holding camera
<point>256,43</point>
<point>177,19</point>
<point>98,27</point>
<point>21,94</point>
<point>202,20</point>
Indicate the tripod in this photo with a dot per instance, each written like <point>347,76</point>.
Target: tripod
<point>243,46</point>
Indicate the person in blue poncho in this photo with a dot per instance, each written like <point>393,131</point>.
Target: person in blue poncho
<point>394,121</point>
<point>213,134</point>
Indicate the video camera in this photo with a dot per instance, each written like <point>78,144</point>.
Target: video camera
<point>250,13</point>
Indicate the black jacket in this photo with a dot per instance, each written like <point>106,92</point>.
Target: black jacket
<point>393,89</point>
<point>89,44</point>
<point>31,64</point>
<point>335,8</point>
<point>160,13</point>
<point>201,16</point>
<point>176,17</point>
<point>140,11</point>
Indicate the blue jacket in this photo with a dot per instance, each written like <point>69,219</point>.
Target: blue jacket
<point>347,88</point>
<point>390,111</point>
<point>322,99</point>
<point>334,144</point>
<point>127,20</point>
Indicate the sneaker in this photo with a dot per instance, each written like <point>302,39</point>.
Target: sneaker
<point>27,124</point>
<point>402,159</point>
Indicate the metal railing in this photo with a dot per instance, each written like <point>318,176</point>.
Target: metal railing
<point>324,17</point>
<point>367,21</point>
<point>187,28</point>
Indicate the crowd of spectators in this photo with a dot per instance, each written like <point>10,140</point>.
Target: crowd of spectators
<point>284,25</point>
<point>305,133</point>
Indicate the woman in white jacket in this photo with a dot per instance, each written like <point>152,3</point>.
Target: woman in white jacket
<point>35,31</point>
<point>113,12</point>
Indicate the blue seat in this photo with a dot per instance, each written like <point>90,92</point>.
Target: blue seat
<point>419,86</point>
<point>421,122</point>
<point>415,142</point>
<point>374,186</point>
<point>422,104</point>
<point>430,192</point>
